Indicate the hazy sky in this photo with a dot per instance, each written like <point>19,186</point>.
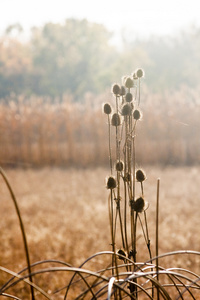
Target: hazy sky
<point>143,17</point>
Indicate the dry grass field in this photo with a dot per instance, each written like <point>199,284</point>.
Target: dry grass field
<point>66,218</point>
<point>57,157</point>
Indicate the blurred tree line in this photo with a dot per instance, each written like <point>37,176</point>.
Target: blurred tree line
<point>79,57</point>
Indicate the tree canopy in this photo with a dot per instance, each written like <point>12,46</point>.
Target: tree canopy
<point>78,57</point>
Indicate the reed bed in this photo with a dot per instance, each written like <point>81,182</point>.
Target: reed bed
<point>130,268</point>
<point>35,132</point>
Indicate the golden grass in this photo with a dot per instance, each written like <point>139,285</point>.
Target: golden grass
<point>65,216</point>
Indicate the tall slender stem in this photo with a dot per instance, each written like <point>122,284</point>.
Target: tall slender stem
<point>109,144</point>
<point>139,93</point>
<point>125,218</point>
<point>157,234</point>
<point>21,227</point>
<point>121,226</point>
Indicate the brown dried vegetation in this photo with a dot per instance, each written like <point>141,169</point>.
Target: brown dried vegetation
<point>65,216</point>
<point>64,210</point>
<point>35,132</point>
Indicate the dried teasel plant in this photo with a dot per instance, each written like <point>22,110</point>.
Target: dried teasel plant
<point>128,205</point>
<point>124,204</point>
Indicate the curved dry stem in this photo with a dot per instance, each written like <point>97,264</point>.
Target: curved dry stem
<point>10,296</point>
<point>21,227</point>
<point>24,278</point>
<point>10,283</point>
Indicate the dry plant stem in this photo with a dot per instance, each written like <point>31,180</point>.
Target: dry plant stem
<point>139,93</point>
<point>147,240</point>
<point>186,287</point>
<point>115,224</point>
<point>133,197</point>
<point>129,121</point>
<point>88,259</point>
<point>118,208</point>
<point>9,283</point>
<point>127,159</point>
<point>121,225</point>
<point>10,296</point>
<point>125,218</point>
<point>135,231</point>
<point>117,145</point>
<point>132,231</point>
<point>157,233</point>
<point>117,135</point>
<point>110,209</point>
<point>133,149</point>
<point>22,229</point>
<point>135,92</point>
<point>125,200</point>
<point>148,243</point>
<point>146,225</point>
<point>113,231</point>
<point>24,278</point>
<point>147,234</point>
<point>134,219</point>
<point>142,189</point>
<point>134,286</point>
<point>114,258</point>
<point>109,141</point>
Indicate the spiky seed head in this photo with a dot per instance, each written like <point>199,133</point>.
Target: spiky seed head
<point>140,175</point>
<point>137,114</point>
<point>140,73</point>
<point>134,76</point>
<point>121,253</point>
<point>119,166</point>
<point>116,120</point>
<point>107,109</point>
<point>139,204</point>
<point>129,82</point>
<point>129,97</point>
<point>123,91</point>
<point>126,109</point>
<point>111,183</point>
<point>116,89</point>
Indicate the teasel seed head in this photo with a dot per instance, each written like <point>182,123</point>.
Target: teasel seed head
<point>139,205</point>
<point>126,109</point>
<point>140,73</point>
<point>134,76</point>
<point>107,109</point>
<point>123,91</point>
<point>119,166</point>
<point>137,114</point>
<point>140,175</point>
<point>129,97</point>
<point>129,82</point>
<point>116,89</point>
<point>111,183</point>
<point>121,253</point>
<point>116,120</point>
